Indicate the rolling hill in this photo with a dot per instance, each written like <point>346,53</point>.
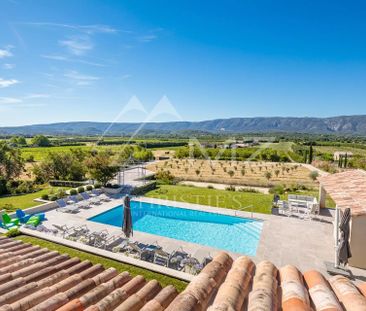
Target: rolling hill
<point>353,125</point>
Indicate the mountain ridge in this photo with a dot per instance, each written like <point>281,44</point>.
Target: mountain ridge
<point>353,125</point>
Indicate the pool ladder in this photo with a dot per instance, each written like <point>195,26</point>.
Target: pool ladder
<point>244,209</point>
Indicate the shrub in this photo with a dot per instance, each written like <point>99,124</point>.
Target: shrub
<point>7,207</point>
<point>73,192</point>
<point>89,188</point>
<point>81,189</point>
<point>165,177</point>
<point>251,190</point>
<point>26,186</point>
<point>210,187</point>
<point>97,186</point>
<point>3,188</point>
<point>45,197</point>
<point>61,193</point>
<point>230,188</point>
<point>277,190</point>
<point>13,232</point>
<point>53,198</point>
<point>314,175</point>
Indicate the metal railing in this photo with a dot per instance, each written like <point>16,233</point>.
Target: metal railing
<point>244,209</point>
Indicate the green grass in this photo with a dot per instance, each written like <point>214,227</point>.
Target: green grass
<point>262,203</point>
<point>283,146</point>
<point>213,197</point>
<point>24,201</point>
<point>107,263</point>
<point>39,153</point>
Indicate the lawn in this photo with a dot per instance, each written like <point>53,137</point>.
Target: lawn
<point>219,198</point>
<point>107,263</point>
<point>262,203</point>
<point>24,201</point>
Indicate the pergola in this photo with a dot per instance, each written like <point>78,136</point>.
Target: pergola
<point>348,190</point>
<point>130,165</point>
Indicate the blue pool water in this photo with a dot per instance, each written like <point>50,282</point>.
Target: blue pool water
<point>239,235</point>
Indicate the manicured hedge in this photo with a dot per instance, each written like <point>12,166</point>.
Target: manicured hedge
<point>143,189</point>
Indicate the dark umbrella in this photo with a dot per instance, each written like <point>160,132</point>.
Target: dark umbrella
<point>127,218</point>
<point>344,250</point>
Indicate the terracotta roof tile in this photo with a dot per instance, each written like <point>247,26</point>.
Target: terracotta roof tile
<point>347,189</point>
<point>40,280</point>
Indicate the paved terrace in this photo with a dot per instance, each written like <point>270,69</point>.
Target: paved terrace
<point>284,240</point>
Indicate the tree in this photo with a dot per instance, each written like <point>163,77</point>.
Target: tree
<point>231,173</point>
<point>61,166</point>
<point>277,172</point>
<point>40,141</point>
<point>100,168</point>
<point>268,175</point>
<point>314,175</point>
<point>11,162</point>
<point>311,153</point>
<point>18,141</point>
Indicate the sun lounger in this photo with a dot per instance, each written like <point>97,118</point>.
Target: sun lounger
<point>23,217</point>
<point>8,222</point>
<point>63,207</point>
<point>161,257</point>
<point>109,243</point>
<point>92,200</point>
<point>191,265</point>
<point>74,233</point>
<point>175,261</point>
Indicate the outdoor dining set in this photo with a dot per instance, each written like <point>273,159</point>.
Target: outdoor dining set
<point>301,206</point>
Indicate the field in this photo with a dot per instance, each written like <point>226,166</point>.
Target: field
<point>39,153</point>
<point>219,198</point>
<point>24,201</point>
<point>259,202</point>
<point>237,172</point>
<point>332,149</point>
<point>107,263</point>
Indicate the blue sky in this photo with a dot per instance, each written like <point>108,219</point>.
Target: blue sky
<point>85,60</point>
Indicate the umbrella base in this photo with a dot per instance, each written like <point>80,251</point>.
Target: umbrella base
<point>332,270</point>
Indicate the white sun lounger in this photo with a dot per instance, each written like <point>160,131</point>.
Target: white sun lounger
<point>64,208</point>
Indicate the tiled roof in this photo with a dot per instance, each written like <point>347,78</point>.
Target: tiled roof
<point>347,189</point>
<point>34,278</point>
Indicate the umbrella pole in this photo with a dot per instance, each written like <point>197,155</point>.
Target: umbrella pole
<point>336,258</point>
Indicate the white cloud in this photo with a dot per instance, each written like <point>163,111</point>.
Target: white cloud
<point>147,38</point>
<point>77,45</point>
<point>5,53</point>
<point>6,83</point>
<point>89,29</point>
<point>71,60</point>
<point>31,96</point>
<point>8,66</point>
<point>9,100</point>
<point>126,76</point>
<point>80,79</point>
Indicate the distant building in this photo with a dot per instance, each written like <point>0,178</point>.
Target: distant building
<point>339,154</point>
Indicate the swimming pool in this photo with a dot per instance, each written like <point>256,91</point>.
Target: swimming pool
<point>239,235</point>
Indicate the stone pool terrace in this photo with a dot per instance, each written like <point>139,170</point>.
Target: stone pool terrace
<point>306,244</point>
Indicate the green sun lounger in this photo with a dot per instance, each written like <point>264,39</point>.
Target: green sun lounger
<point>9,222</point>
<point>34,221</point>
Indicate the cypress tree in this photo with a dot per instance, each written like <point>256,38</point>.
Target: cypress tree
<point>345,160</point>
<point>311,153</point>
